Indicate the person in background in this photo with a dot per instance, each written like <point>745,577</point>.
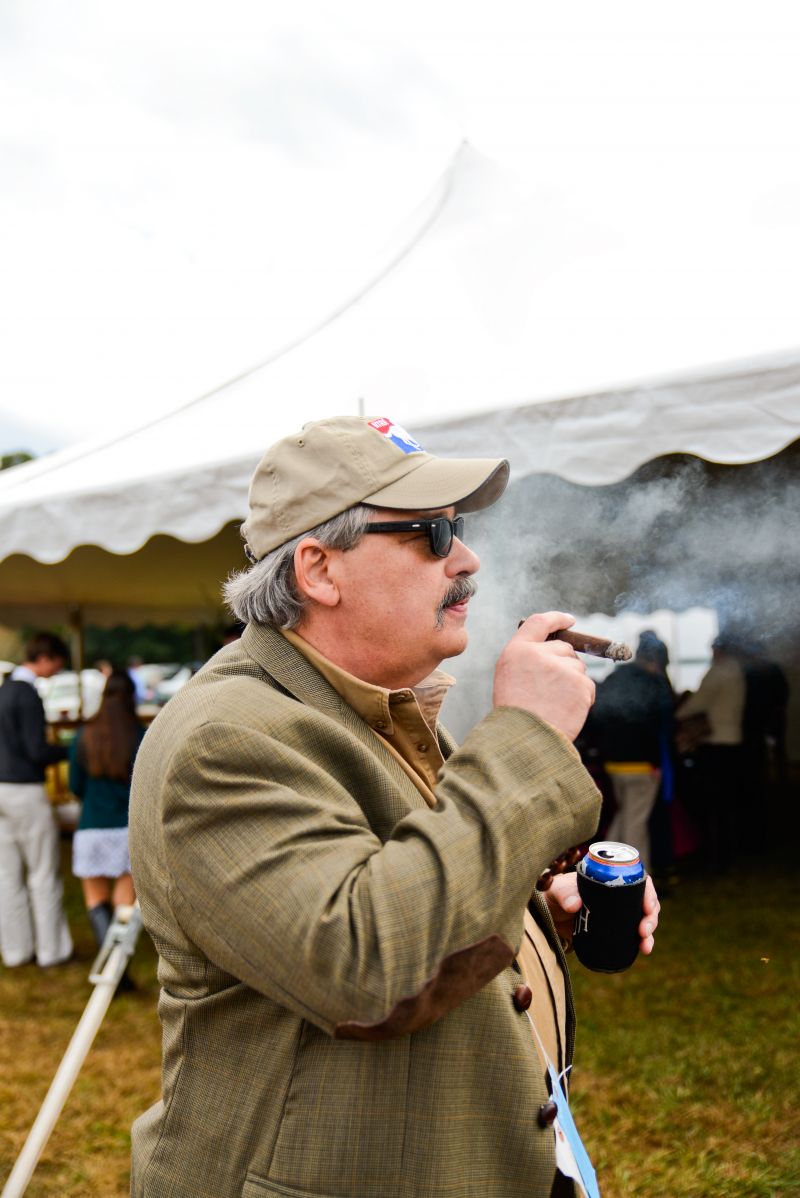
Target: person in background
<point>721,698</point>
<point>101,763</point>
<point>651,644</point>
<point>32,920</point>
<point>142,692</point>
<point>664,813</point>
<point>631,720</point>
<point>763,721</point>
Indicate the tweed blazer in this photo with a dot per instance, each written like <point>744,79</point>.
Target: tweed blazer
<point>337,958</point>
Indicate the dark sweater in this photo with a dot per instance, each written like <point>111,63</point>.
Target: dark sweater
<point>631,715</point>
<point>24,751</point>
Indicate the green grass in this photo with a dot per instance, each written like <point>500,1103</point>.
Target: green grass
<point>89,1150</point>
<point>686,1081</point>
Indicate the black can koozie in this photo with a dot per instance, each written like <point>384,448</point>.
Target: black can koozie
<point>611,881</point>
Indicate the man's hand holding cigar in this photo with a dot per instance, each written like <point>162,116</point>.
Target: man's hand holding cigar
<point>543,676</point>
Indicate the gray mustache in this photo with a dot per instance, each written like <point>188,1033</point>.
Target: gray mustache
<point>461,589</point>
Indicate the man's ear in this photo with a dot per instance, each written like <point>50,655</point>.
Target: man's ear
<point>312,568</point>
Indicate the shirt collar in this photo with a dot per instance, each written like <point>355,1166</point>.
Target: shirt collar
<point>23,674</point>
<point>374,703</point>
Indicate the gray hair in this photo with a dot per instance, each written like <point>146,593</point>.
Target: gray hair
<point>266,592</point>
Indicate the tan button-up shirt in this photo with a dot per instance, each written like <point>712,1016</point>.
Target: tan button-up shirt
<point>406,721</point>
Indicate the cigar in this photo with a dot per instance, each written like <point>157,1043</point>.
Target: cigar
<point>597,646</point>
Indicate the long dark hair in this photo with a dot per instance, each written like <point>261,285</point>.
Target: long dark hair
<point>110,739</point>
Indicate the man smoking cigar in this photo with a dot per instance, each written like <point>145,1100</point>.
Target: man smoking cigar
<point>353,955</point>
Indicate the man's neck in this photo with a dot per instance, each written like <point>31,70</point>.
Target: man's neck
<point>368,666</point>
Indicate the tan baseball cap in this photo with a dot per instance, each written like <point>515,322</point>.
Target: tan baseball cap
<point>332,465</point>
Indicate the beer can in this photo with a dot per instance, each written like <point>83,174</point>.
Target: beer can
<point>612,863</point>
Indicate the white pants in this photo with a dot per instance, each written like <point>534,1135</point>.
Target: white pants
<point>635,796</point>
<point>31,913</point>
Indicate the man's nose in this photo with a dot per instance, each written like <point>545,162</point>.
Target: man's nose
<point>462,559</point>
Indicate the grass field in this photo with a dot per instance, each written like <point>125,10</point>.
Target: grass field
<point>686,1082</point>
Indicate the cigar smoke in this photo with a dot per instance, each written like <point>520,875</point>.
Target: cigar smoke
<point>679,533</point>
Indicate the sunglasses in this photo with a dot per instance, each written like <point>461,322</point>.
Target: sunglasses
<point>441,531</point>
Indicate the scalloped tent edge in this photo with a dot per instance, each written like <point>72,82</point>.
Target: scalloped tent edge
<point>180,481</point>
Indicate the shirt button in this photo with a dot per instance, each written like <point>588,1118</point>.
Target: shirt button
<point>547,1114</point>
<point>522,998</point>
<point>422,747</point>
<point>380,723</point>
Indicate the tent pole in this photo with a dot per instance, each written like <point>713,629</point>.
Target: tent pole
<point>117,949</point>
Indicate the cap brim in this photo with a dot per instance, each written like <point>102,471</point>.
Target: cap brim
<point>468,484</point>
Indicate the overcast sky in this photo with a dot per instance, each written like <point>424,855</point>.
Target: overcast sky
<point>176,175</point>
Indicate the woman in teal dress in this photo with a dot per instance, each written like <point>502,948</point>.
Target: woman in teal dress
<point>100,767</point>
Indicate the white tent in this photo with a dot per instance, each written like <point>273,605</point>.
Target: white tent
<point>488,305</point>
<point>464,328</point>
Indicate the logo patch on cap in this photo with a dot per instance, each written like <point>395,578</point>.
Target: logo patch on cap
<point>396,434</point>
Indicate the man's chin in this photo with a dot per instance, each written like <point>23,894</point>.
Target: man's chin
<point>453,642</point>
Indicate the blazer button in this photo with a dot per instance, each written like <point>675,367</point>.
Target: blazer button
<point>523,997</point>
<point>547,1113</point>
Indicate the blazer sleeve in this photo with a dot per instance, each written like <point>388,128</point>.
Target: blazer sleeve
<point>277,877</point>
